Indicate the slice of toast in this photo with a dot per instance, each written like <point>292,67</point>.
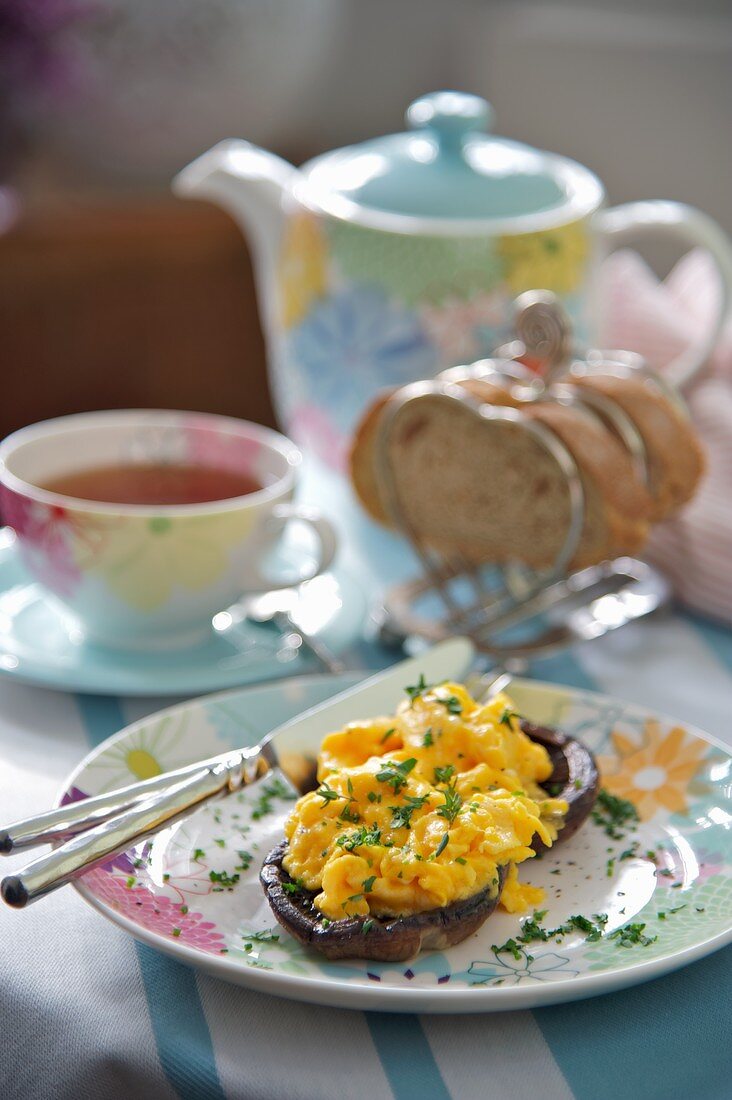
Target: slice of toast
<point>675,460</point>
<point>491,489</point>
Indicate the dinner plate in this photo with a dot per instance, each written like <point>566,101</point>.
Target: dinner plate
<point>193,892</point>
<point>38,645</point>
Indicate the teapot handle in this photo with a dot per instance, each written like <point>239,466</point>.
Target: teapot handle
<point>691,226</point>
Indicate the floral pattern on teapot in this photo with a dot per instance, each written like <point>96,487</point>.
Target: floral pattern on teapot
<point>362,309</point>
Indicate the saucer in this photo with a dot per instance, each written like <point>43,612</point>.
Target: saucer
<point>39,646</point>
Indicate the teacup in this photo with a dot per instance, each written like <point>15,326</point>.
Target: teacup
<point>142,575</point>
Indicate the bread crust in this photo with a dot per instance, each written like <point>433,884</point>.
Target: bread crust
<point>674,455</point>
<point>618,506</point>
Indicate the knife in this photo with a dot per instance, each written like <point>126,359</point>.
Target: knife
<point>115,821</point>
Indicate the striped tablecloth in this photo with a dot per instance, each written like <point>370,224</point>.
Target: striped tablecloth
<point>87,1012</point>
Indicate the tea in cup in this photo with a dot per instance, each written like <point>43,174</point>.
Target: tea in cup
<point>144,524</point>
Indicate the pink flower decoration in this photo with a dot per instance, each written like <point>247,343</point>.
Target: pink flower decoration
<point>46,534</point>
<point>219,449</point>
<point>452,325</point>
<point>156,913</point>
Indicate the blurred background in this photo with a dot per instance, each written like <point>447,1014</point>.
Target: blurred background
<point>113,293</point>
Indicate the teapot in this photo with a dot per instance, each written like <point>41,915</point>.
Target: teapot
<point>385,262</point>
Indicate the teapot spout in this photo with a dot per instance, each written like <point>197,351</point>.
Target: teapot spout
<point>250,184</point>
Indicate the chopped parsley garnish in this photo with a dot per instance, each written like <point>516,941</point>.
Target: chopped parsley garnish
<point>631,852</point>
<point>417,689</point>
<point>506,716</point>
<point>246,860</point>
<point>459,859</point>
<point>453,804</point>
<point>359,838</point>
<point>609,868</point>
<point>373,796</point>
<point>387,735</point>
<point>452,704</point>
<point>295,887</point>
<point>326,792</point>
<point>183,910</point>
<point>222,878</point>
<point>275,789</point>
<point>631,935</point>
<point>578,784</point>
<point>401,816</point>
<point>532,930</point>
<point>396,774</point>
<point>444,774</point>
<point>198,853</point>
<point>553,789</point>
<point>428,739</point>
<point>349,814</point>
<point>265,936</point>
<point>368,884</point>
<point>442,845</point>
<point>516,950</point>
<point>176,931</point>
<point>367,926</point>
<point>613,814</point>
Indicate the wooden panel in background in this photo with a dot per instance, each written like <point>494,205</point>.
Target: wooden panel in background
<point>141,304</point>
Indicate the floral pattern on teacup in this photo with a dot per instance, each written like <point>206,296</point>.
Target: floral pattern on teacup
<point>146,559</point>
<point>48,535</point>
<point>221,450</point>
<point>141,559</point>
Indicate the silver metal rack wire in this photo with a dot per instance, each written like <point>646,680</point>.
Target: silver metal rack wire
<point>512,612</point>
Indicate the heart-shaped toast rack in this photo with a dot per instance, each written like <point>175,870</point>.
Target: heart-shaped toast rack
<point>511,611</point>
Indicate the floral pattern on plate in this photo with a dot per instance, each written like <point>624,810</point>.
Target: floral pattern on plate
<point>196,884</point>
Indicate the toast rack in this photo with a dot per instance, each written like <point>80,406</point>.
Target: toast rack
<point>514,613</point>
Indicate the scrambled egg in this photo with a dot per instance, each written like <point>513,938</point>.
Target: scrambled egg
<point>419,810</point>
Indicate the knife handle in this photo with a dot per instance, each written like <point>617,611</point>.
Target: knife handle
<point>119,833</point>
<point>64,821</point>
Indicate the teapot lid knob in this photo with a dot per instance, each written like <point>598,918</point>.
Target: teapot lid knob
<point>452,115</point>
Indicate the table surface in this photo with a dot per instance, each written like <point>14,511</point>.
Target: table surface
<point>85,1011</point>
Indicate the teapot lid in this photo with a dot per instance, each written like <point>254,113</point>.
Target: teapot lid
<point>447,167</point>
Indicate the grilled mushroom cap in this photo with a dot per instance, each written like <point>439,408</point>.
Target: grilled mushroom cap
<point>388,939</point>
<point>393,939</point>
<point>574,777</point>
